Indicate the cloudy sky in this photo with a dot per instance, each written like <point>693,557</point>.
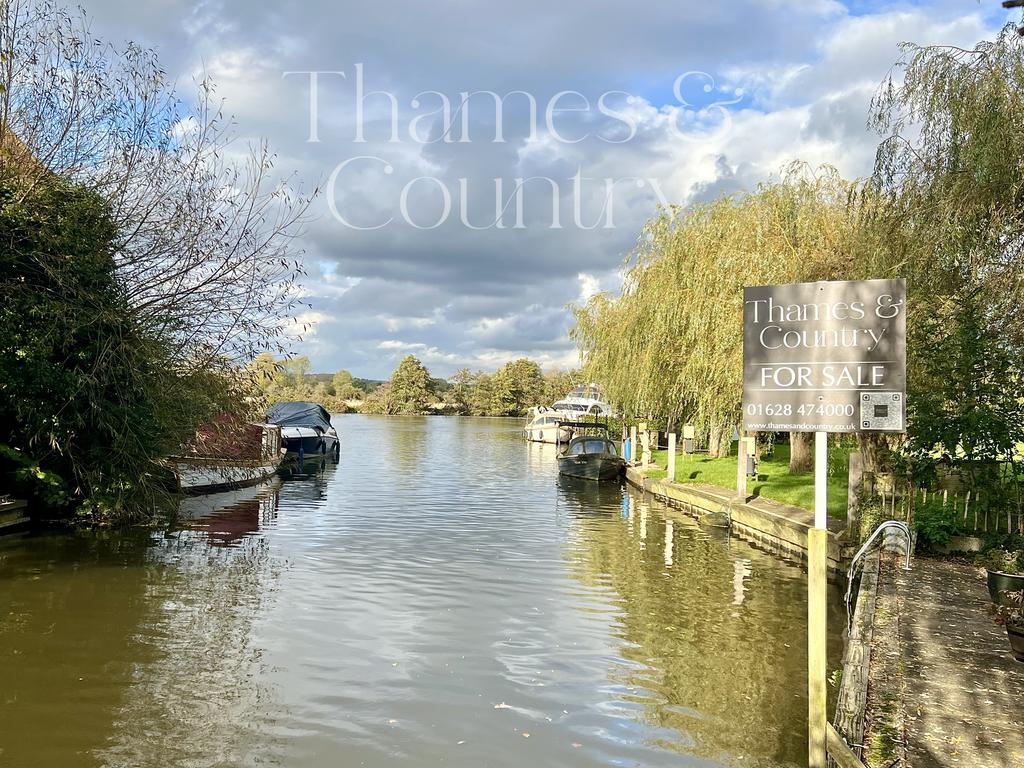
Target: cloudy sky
<point>460,235</point>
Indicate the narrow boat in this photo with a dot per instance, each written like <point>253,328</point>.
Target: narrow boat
<point>306,429</point>
<point>592,457</point>
<point>225,457</point>
<point>542,426</point>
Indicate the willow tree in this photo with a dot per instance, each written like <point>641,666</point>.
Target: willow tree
<point>671,344</point>
<point>951,168</point>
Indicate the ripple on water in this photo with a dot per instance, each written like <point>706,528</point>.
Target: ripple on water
<point>440,596</point>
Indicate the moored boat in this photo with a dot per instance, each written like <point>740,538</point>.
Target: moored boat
<point>225,456</point>
<point>542,426</point>
<point>592,457</point>
<point>583,401</point>
<point>306,429</point>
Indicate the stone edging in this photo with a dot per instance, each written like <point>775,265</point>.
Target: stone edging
<point>774,530</point>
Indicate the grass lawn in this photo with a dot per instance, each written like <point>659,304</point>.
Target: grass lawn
<point>774,480</point>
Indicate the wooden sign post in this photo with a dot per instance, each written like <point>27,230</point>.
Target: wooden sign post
<point>823,357</point>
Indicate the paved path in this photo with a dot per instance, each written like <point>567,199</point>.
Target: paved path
<point>962,693</point>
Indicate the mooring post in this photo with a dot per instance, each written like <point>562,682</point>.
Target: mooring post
<point>741,468</point>
<point>671,457</point>
<point>632,443</point>
<point>645,438</point>
<point>817,607</point>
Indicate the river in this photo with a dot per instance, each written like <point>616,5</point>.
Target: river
<point>438,597</point>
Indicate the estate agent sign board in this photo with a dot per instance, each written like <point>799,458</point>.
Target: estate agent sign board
<point>827,356</point>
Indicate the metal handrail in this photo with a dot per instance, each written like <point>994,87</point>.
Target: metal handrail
<point>898,524</point>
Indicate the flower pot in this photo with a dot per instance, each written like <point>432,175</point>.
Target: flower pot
<point>999,582</point>
<point>1016,635</point>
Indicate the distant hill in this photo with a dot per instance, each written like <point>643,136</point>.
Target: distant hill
<point>366,385</point>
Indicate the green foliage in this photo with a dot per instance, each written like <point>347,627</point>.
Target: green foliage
<point>407,392</point>
<point>343,387</point>
<point>410,387</point>
<point>516,387</point>
<point>289,379</point>
<point>511,391</point>
<point>671,344</point>
<point>951,170</point>
<point>1007,561</point>
<point>89,398</point>
<point>935,524</point>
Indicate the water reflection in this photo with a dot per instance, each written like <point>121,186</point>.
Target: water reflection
<point>712,650</point>
<point>440,596</point>
<point>225,519</point>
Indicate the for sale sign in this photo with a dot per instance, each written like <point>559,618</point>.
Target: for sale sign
<point>828,356</point>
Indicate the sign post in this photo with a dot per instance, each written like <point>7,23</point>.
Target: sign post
<point>823,357</point>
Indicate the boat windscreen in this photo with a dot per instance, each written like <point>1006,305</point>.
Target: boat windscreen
<point>593,446</point>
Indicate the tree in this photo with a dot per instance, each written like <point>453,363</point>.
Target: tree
<point>461,391</point>
<point>345,387</point>
<point>296,368</point>
<point>203,245</point>
<point>380,401</point>
<point>90,397</point>
<point>410,387</point>
<point>951,172</point>
<point>557,384</point>
<point>516,386</point>
<point>481,402</point>
<point>670,345</point>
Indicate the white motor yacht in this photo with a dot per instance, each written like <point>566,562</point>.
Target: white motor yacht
<point>542,426</point>
<point>583,401</point>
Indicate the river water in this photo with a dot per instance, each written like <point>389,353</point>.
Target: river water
<point>439,597</point>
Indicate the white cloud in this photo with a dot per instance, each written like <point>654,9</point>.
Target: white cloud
<point>804,75</point>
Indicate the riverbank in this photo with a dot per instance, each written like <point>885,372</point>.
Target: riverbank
<point>778,527</point>
<point>774,480</point>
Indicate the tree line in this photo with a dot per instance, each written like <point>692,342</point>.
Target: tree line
<point>943,208</point>
<point>510,391</point>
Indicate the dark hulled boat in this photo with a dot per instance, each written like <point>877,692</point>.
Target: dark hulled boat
<point>306,429</point>
<point>591,457</point>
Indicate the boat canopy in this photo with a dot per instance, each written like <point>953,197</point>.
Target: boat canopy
<point>299,414</point>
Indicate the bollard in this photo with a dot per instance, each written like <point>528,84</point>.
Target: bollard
<point>632,443</point>
<point>671,474</point>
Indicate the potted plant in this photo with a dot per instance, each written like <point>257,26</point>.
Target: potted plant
<point>1011,615</point>
<point>1005,573</point>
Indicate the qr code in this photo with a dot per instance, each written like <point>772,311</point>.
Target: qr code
<point>881,411</point>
